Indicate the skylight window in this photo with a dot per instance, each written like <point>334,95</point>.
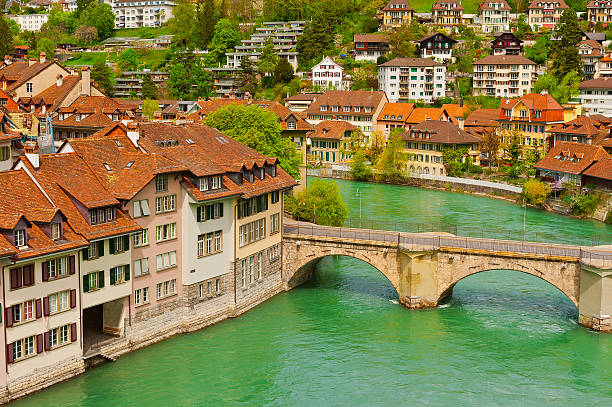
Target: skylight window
<point>189,141</point>
<point>129,165</point>
<point>118,143</point>
<point>108,168</point>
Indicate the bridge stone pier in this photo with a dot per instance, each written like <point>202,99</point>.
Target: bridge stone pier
<point>424,267</point>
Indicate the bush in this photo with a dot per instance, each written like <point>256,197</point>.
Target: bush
<point>320,203</point>
<point>535,192</point>
<point>584,204</point>
<point>475,169</point>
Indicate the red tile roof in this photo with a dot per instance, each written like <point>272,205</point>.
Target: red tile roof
<point>396,112</point>
<point>540,4</point>
<point>490,5</point>
<point>351,98</point>
<point>504,60</point>
<point>375,38</point>
<point>599,83</point>
<point>54,95</point>
<point>439,132</point>
<point>332,129</point>
<point>601,169</point>
<point>582,125</point>
<point>441,5</point>
<point>398,6</point>
<point>571,158</point>
<point>30,72</point>
<point>482,117</point>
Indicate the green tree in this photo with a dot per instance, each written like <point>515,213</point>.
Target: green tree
<point>102,75</point>
<point>226,33</point>
<point>6,45</point>
<point>247,78</point>
<point>149,90</point>
<point>100,16</point>
<point>562,90</point>
<point>46,45</point>
<point>149,107</point>
<point>128,60</point>
<point>540,51</point>
<point>535,192</point>
<point>402,39</point>
<point>283,72</point>
<point>268,59</point>
<point>82,5</point>
<point>259,129</point>
<point>392,161</point>
<point>202,81</point>
<point>522,27</point>
<point>178,82</point>
<point>182,24</point>
<point>315,42</point>
<point>453,158</point>
<point>146,33</point>
<point>565,57</point>
<point>360,170</point>
<point>321,203</point>
<point>207,17</point>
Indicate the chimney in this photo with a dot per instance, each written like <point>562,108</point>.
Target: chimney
<point>544,92</point>
<point>59,80</point>
<point>43,57</point>
<point>8,60</point>
<point>32,61</point>
<point>132,133</point>
<point>86,82</point>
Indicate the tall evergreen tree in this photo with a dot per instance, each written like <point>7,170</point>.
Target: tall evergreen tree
<point>6,45</point>
<point>565,57</point>
<point>268,58</point>
<point>149,90</point>
<point>283,73</point>
<point>248,77</point>
<point>207,18</point>
<point>103,77</point>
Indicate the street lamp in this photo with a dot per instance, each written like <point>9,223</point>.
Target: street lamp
<point>524,217</point>
<point>359,194</point>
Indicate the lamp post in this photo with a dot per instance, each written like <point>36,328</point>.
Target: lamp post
<point>524,217</point>
<point>315,213</point>
<point>359,194</point>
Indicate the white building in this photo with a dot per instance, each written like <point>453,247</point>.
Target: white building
<point>135,14</point>
<point>504,76</point>
<point>412,79</point>
<point>494,16</point>
<point>328,75</point>
<point>234,59</point>
<point>30,22</point>
<point>596,95</point>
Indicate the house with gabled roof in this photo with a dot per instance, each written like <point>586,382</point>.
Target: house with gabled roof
<point>395,14</point>
<point>447,13</point>
<point>27,81</point>
<point>583,129</point>
<point>591,53</point>
<point>329,142</point>
<point>393,116</point>
<point>545,13</point>
<point>494,16</point>
<point>566,162</point>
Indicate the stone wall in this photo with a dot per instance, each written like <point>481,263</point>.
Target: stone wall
<point>258,291</point>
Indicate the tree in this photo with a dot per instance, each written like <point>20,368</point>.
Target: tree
<point>247,78</point>
<point>535,192</point>
<point>201,80</point>
<point>225,33</point>
<point>321,203</point>
<point>6,45</point>
<point>540,51</point>
<point>178,82</point>
<point>360,170</point>
<point>565,54</point>
<point>149,90</point>
<point>102,75</point>
<point>86,34</point>
<point>268,58</point>
<point>207,17</point>
<point>315,41</point>
<point>100,16</point>
<point>149,107</point>
<point>376,146</point>
<point>392,161</point>
<point>402,38</point>
<point>490,145</point>
<point>260,130</point>
<point>128,60</point>
<point>82,5</point>
<point>522,27</point>
<point>182,24</point>
<point>453,159</point>
<point>283,72</point>
<point>46,45</point>
<point>562,90</point>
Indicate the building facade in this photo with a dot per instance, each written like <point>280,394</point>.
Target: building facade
<point>596,96</point>
<point>30,22</point>
<point>506,44</point>
<point>395,14</point>
<point>404,79</point>
<point>142,14</point>
<point>504,76</point>
<point>599,11</point>
<point>494,16</point>
<point>447,13</point>
<point>438,47</point>
<point>544,13</point>
<point>368,47</point>
<point>328,75</point>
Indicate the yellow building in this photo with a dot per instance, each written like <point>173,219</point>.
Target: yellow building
<point>329,142</point>
<point>395,14</point>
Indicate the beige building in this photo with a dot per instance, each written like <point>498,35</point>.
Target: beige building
<point>599,11</point>
<point>395,14</point>
<point>545,13</point>
<point>494,16</point>
<point>447,13</point>
<point>329,142</point>
<point>503,76</point>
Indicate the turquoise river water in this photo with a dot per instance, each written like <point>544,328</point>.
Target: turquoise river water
<point>503,339</point>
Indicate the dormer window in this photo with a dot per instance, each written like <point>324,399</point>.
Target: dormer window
<point>367,109</point>
<point>215,182</point>
<point>291,125</point>
<point>203,184</point>
<point>335,108</point>
<point>56,230</point>
<point>101,215</point>
<point>20,237</point>
<point>357,109</point>
<point>323,108</point>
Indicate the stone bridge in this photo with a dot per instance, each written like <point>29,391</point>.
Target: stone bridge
<point>424,267</point>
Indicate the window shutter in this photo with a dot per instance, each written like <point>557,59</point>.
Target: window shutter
<point>126,271</point>
<point>86,283</point>
<point>85,253</point>
<point>9,316</point>
<point>13,276</point>
<point>71,264</point>
<point>101,248</point>
<point>145,207</point>
<point>39,343</point>
<point>38,308</point>
<point>47,341</point>
<point>209,212</point>
<point>137,211</point>
<point>45,271</point>
<point>101,279</point>
<point>9,353</point>
<point>30,270</point>
<point>73,332</point>
<point>46,306</point>
<point>72,298</point>
<point>126,242</point>
<point>220,209</point>
<point>112,276</point>
<point>265,202</point>
<point>111,245</point>
<point>199,214</point>
<point>27,279</point>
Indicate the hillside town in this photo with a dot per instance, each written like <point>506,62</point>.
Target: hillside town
<point>147,149</point>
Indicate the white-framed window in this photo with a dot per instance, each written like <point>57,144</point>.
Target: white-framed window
<point>20,237</point>
<point>58,267</point>
<point>273,252</point>
<point>141,238</point>
<point>161,183</point>
<point>252,232</point>
<point>291,125</point>
<point>258,266</point>
<point>59,336</point>
<point>217,285</point>
<point>274,220</point>
<point>210,211</point>
<point>251,266</point>
<point>141,208</point>
<point>165,232</point>
<point>22,348</point>
<point>209,288</point>
<point>215,182</point>
<point>166,260</point>
<point>203,184</point>
<point>117,275</point>
<point>56,230</point>
<point>23,311</point>
<point>209,243</point>
<point>141,267</point>
<point>141,296</point>
<point>166,289</point>
<point>59,301</point>
<point>29,87</point>
<point>243,273</point>
<point>165,203</point>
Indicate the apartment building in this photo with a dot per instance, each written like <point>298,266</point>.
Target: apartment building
<point>447,13</point>
<point>130,82</point>
<point>545,13</point>
<point>30,22</point>
<point>503,76</point>
<point>591,53</point>
<point>404,79</point>
<point>360,108</point>
<point>327,74</point>
<point>151,13</point>
<point>437,46</point>
<point>596,96</point>
<point>599,11</point>
<point>494,16</point>
<point>395,14</point>
<point>368,47</point>
<point>426,141</point>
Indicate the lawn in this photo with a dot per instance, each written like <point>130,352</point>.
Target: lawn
<point>135,32</point>
<point>424,6</point>
<point>147,58</point>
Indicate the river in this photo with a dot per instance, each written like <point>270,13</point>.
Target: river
<point>503,339</point>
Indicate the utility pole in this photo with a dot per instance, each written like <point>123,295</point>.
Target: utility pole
<point>359,194</point>
<point>524,217</point>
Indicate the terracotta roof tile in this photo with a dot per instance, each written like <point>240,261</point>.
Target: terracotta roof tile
<point>490,5</point>
<point>425,113</point>
<point>396,112</point>
<point>441,5</point>
<point>388,7</point>
<point>582,125</point>
<point>371,38</point>
<point>54,94</point>
<point>539,4</point>
<point>95,121</point>
<point>571,158</point>
<point>412,62</point>
<point>482,117</point>
<point>332,129</point>
<point>13,71</point>
<point>352,98</point>
<point>439,132</point>
<point>30,72</point>
<point>601,169</point>
<point>599,83</point>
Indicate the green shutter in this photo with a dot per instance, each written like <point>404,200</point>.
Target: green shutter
<point>220,209</point>
<point>101,248</point>
<point>86,283</point>
<point>126,242</point>
<point>112,276</point>
<point>126,270</point>
<point>199,214</point>
<point>85,252</point>
<point>265,201</point>
<point>101,279</point>
<point>111,245</point>
<point>209,212</point>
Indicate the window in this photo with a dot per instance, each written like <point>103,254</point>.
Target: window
<point>20,237</point>
<point>165,232</point>
<point>201,287</point>
<point>274,223</point>
<point>217,286</point>
<point>258,266</point>
<point>23,348</point>
<point>291,125</point>
<point>141,267</point>
<point>93,281</point>
<point>209,243</point>
<point>23,312</point>
<point>58,267</point>
<point>101,215</point>
<point>166,260</point>
<point>141,296</point>
<point>161,183</point>
<point>141,208</point>
<point>252,232</point>
<point>60,336</point>
<point>216,182</point>
<point>56,230</point>
<point>274,252</point>
<point>242,272</point>
<point>166,289</point>
<point>203,184</point>
<point>211,211</point>
<point>29,87</point>
<point>252,206</point>
<point>141,238</point>
<point>5,153</point>
<point>21,276</point>
<point>251,264</point>
<point>119,274</point>
<point>274,196</point>
<point>59,302</point>
<point>165,203</point>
